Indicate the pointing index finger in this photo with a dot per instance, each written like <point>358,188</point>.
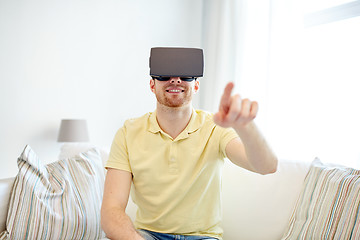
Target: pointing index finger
<point>225,99</point>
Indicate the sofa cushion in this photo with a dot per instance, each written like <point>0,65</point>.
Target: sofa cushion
<point>60,200</point>
<point>328,207</point>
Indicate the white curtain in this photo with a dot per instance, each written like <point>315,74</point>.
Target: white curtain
<point>222,31</point>
<point>305,78</point>
<point>236,46</point>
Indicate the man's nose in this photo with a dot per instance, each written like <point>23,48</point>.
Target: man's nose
<point>175,80</point>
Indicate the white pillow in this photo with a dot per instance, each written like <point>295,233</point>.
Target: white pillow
<point>69,150</point>
<point>60,200</point>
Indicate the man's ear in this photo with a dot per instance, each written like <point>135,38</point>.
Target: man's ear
<point>196,86</point>
<point>152,85</point>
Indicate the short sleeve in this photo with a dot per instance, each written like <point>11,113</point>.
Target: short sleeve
<point>119,157</point>
<point>227,135</point>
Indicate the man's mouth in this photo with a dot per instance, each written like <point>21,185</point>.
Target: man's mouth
<point>174,90</point>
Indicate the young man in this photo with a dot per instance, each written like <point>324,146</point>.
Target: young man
<point>174,156</point>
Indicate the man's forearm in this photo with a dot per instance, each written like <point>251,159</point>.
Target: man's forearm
<point>258,152</point>
<point>118,226</point>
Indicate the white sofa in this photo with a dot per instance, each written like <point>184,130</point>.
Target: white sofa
<point>255,207</point>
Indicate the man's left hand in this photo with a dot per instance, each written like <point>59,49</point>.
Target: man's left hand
<point>233,111</point>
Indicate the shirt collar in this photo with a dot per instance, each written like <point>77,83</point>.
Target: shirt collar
<point>153,125</point>
<point>193,125</point>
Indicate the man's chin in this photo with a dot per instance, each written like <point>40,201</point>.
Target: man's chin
<point>173,104</point>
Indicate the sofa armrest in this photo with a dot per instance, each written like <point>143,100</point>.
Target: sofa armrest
<point>5,189</point>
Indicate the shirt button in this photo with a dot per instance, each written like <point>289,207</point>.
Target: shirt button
<point>172,159</point>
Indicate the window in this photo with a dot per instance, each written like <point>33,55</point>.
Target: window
<point>315,83</point>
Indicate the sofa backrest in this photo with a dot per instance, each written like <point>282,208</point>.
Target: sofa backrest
<point>257,207</point>
<point>5,189</point>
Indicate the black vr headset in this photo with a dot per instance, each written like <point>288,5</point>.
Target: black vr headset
<point>186,63</point>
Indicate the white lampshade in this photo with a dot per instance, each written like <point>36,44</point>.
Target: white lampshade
<point>73,130</point>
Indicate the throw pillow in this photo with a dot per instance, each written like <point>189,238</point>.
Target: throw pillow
<point>60,200</point>
<point>328,207</point>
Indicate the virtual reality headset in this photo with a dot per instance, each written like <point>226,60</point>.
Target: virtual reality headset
<point>176,62</point>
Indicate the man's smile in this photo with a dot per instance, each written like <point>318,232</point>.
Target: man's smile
<point>174,90</point>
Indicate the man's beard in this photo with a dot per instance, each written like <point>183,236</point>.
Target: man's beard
<point>175,100</point>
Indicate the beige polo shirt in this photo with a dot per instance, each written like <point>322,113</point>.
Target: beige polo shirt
<point>177,182</point>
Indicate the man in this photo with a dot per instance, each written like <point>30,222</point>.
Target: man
<point>174,156</point>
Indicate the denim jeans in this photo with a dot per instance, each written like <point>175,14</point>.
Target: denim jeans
<point>149,235</point>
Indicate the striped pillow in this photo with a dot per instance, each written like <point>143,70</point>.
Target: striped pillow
<point>328,207</point>
<point>60,200</point>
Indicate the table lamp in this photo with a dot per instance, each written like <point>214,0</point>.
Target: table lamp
<point>73,130</point>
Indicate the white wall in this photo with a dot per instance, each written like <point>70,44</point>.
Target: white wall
<point>81,59</point>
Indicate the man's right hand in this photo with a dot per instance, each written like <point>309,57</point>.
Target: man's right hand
<point>114,221</point>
